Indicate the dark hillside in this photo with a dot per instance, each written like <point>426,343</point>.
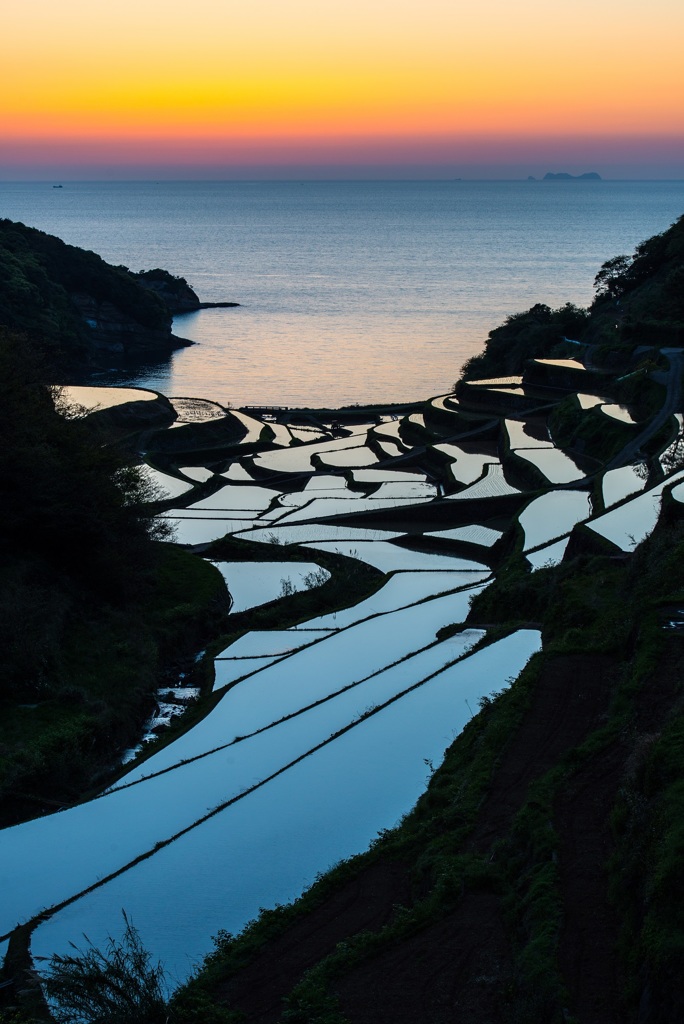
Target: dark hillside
<point>94,612</point>
<point>536,333</point>
<point>639,302</point>
<point>83,310</point>
<point>641,296</point>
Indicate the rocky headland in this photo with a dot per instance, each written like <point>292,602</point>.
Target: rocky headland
<point>87,313</point>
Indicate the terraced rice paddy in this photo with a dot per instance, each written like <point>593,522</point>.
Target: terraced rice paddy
<point>442,404</point>
<point>474,534</point>
<point>565,364</point>
<point>238,473</point>
<point>519,437</point>
<point>618,412</point>
<point>256,583</point>
<point>167,486</point>
<point>204,530</point>
<point>405,490</point>
<point>556,466</point>
<point>306,434</point>
<point>359,456</point>
<point>620,483</point>
<point>553,515</point>
<point>390,429</point>
<point>196,410</point>
<point>298,460</point>
<point>402,590</point>
<point>466,467</point>
<point>629,524</point>
<point>379,476</point>
<point>391,558</point>
<point>322,730</point>
<point>198,473</point>
<point>497,382</point>
<point>92,398</point>
<point>590,401</point>
<point>253,427</point>
<point>550,554</point>
<point>237,497</point>
<point>229,670</point>
<point>323,508</point>
<point>306,532</point>
<point>492,485</point>
<point>382,756</point>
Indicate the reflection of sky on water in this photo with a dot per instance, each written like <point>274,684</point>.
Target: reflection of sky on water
<point>328,806</point>
<point>553,514</point>
<point>350,291</point>
<point>619,483</point>
<point>555,465</point>
<point>629,524</point>
<point>551,554</point>
<point>254,583</point>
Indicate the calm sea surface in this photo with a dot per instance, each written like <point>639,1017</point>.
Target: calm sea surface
<point>349,291</point>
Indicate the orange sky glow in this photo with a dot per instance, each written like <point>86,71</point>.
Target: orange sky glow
<point>221,85</point>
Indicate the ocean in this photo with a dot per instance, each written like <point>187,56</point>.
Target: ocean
<point>349,292</point>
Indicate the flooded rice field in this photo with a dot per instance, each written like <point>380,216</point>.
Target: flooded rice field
<point>319,727</point>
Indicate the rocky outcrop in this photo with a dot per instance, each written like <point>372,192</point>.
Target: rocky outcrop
<point>111,332</point>
<point>175,292</point>
<point>80,310</point>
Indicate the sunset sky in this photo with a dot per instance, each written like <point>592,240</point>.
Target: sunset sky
<point>417,88</point>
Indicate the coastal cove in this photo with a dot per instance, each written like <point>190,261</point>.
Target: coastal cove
<point>350,292</point>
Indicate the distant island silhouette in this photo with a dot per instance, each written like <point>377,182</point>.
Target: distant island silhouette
<point>564,176</point>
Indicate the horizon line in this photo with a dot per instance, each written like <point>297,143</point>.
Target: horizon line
<point>327,180</point>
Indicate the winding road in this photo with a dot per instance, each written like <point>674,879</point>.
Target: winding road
<point>671,405</point>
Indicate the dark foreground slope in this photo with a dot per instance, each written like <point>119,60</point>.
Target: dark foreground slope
<point>94,611</point>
